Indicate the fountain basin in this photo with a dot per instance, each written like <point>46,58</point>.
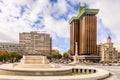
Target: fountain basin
<point>8,69</point>
<point>91,73</point>
<point>34,67</point>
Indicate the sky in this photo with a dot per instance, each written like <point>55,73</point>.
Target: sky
<point>52,16</point>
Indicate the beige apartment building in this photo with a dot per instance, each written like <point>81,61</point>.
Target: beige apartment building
<point>36,43</point>
<point>11,47</point>
<point>107,52</point>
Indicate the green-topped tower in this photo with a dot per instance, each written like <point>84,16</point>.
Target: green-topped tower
<point>83,28</point>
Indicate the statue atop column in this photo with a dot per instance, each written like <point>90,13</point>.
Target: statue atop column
<point>76,57</point>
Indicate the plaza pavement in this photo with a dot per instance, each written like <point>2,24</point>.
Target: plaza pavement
<point>115,71</point>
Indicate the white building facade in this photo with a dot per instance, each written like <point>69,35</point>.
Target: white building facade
<point>108,52</point>
<point>11,47</point>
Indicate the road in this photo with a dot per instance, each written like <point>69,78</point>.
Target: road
<point>115,70</point>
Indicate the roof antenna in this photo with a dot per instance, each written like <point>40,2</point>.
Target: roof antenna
<point>79,4</point>
<point>85,4</point>
<point>79,7</point>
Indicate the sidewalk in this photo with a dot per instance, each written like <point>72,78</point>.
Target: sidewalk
<point>112,77</point>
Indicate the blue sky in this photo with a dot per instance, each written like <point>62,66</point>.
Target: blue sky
<point>52,16</point>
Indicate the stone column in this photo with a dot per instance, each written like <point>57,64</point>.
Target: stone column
<point>76,57</point>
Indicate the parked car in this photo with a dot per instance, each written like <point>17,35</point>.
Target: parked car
<point>109,64</point>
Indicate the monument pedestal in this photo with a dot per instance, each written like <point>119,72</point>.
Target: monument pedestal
<point>34,59</point>
<point>76,59</point>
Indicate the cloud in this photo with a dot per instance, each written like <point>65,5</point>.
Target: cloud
<point>110,15</point>
<point>23,16</point>
<point>11,22</point>
<point>52,16</point>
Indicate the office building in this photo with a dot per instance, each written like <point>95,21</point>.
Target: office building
<point>11,47</point>
<point>83,30</point>
<point>36,43</point>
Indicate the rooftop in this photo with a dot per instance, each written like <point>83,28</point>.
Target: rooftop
<point>82,10</point>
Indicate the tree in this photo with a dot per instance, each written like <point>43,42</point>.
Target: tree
<point>65,55</point>
<point>3,55</point>
<point>56,54</point>
<point>14,56</point>
<point>59,56</point>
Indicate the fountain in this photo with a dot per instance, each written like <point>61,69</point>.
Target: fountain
<point>36,67</point>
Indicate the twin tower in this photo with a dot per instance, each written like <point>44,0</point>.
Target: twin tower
<point>83,28</point>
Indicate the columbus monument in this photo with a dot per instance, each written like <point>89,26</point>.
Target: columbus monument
<point>83,30</point>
